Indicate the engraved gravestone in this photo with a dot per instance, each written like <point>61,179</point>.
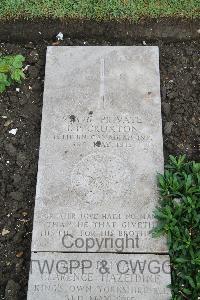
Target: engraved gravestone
<point>100,150</point>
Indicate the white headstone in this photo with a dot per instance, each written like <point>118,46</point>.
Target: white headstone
<point>101,148</point>
<point>100,151</point>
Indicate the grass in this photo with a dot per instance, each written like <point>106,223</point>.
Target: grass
<point>98,9</point>
<point>179,219</point>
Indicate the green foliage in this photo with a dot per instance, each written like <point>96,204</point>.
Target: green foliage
<point>10,70</point>
<point>96,9</point>
<point>179,219</point>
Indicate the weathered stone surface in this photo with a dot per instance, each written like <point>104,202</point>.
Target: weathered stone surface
<point>95,276</point>
<point>101,148</point>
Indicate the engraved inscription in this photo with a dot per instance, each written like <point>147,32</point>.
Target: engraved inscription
<point>104,131</point>
<point>99,277</point>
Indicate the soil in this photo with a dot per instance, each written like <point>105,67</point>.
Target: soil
<point>20,108</point>
<point>166,28</point>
